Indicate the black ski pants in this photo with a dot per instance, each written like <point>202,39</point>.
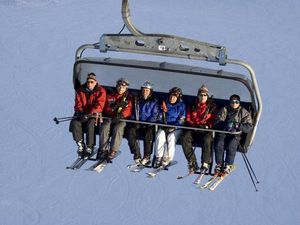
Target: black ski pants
<point>226,143</point>
<point>144,132</point>
<point>190,137</point>
<point>79,126</point>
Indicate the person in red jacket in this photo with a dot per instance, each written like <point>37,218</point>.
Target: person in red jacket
<point>200,115</point>
<point>89,104</point>
<point>118,106</point>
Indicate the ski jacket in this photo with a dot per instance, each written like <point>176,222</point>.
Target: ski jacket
<point>117,104</point>
<point>238,116</point>
<point>89,102</point>
<point>146,109</point>
<point>201,114</point>
<point>176,113</point>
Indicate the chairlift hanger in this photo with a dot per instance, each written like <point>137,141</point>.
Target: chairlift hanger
<point>170,46</point>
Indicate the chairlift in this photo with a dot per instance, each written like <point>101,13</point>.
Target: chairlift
<point>166,75</point>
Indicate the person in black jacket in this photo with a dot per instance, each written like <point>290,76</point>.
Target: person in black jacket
<point>230,118</point>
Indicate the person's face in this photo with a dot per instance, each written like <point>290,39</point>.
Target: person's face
<point>202,97</point>
<point>121,89</point>
<point>172,98</point>
<point>91,84</point>
<point>234,103</point>
<point>146,92</point>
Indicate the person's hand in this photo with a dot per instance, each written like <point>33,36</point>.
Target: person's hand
<point>123,104</point>
<point>81,116</point>
<point>117,118</point>
<point>234,127</point>
<point>203,126</point>
<point>137,126</point>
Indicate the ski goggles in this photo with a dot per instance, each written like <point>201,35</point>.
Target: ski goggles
<point>234,102</point>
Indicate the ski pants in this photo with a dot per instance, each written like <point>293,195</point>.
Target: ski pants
<point>116,130</point>
<point>228,144</point>
<point>77,131</point>
<point>205,139</point>
<point>166,140</point>
<point>145,132</point>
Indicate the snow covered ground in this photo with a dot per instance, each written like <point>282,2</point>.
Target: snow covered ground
<point>38,39</point>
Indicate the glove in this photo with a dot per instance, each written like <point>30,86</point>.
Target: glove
<point>81,117</point>
<point>117,118</point>
<point>123,104</point>
<point>204,126</point>
<point>137,126</point>
<point>233,127</point>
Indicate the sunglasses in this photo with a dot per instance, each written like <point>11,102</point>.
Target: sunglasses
<point>122,84</point>
<point>202,95</point>
<point>90,81</point>
<point>234,102</point>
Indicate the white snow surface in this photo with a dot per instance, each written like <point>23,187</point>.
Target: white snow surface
<point>37,49</point>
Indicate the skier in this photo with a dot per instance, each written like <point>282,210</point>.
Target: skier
<point>118,106</point>
<point>172,112</point>
<point>201,114</point>
<point>146,109</point>
<point>230,118</point>
<point>89,104</point>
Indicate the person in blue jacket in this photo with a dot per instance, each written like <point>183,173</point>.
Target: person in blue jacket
<point>173,112</point>
<point>146,109</point>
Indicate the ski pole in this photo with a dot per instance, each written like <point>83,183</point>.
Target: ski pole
<point>247,166</point>
<point>62,119</point>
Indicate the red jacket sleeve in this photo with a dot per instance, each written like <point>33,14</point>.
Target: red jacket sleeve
<point>99,101</point>
<point>188,120</point>
<point>78,101</point>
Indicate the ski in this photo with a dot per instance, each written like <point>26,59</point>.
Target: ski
<point>216,183</point>
<point>184,176</point>
<point>199,178</point>
<point>133,166</point>
<point>154,172</point>
<point>210,181</point>
<point>138,167</point>
<point>83,161</point>
<point>101,164</point>
<point>219,179</point>
<point>72,166</point>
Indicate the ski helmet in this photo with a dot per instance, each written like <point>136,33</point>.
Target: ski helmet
<point>147,84</point>
<point>176,91</point>
<point>122,81</point>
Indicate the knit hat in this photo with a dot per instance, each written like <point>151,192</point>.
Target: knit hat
<point>91,76</point>
<point>235,96</point>
<point>203,89</point>
<point>176,91</point>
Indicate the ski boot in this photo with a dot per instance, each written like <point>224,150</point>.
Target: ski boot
<point>89,151</point>
<point>204,168</point>
<point>146,161</point>
<point>157,162</point>
<point>80,150</point>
